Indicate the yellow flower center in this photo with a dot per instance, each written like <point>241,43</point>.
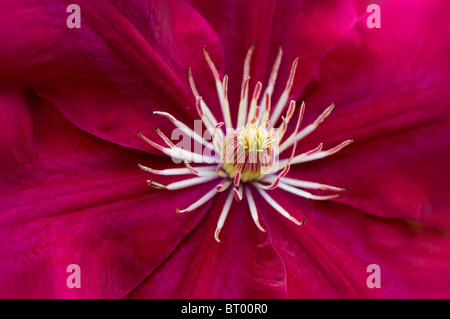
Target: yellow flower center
<point>249,150</point>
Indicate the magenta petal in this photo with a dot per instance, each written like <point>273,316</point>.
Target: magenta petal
<point>304,29</point>
<point>76,199</point>
<point>109,76</point>
<point>116,244</point>
<point>391,98</point>
<point>242,265</point>
<point>329,255</point>
<point>17,127</point>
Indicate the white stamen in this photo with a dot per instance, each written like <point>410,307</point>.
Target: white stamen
<point>223,215</point>
<point>253,210</point>
<point>243,104</point>
<point>254,101</point>
<point>278,208</point>
<point>201,105</point>
<point>272,79</point>
<point>285,95</point>
<point>221,187</point>
<point>190,182</point>
<point>305,184</point>
<point>309,129</point>
<point>185,129</point>
<point>180,154</point>
<point>294,160</point>
<point>226,105</point>
<point>322,154</point>
<point>305,194</point>
<point>221,90</point>
<point>202,170</point>
<point>238,193</point>
<point>267,106</point>
<point>290,140</point>
<point>204,199</point>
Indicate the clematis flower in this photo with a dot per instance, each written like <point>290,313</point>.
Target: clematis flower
<point>71,193</point>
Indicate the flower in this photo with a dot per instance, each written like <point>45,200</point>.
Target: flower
<point>247,154</point>
<point>72,100</point>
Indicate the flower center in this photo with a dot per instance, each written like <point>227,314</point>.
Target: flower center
<point>249,151</point>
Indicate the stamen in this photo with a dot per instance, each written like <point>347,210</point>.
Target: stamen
<point>289,114</point>
<point>253,210</point>
<point>149,141</point>
<point>291,138</point>
<point>301,156</point>
<point>221,187</point>
<point>285,95</point>
<point>305,184</point>
<point>242,115</point>
<point>272,79</point>
<point>185,129</point>
<point>248,59</point>
<point>204,199</point>
<point>180,154</point>
<point>267,107</point>
<point>225,104</point>
<point>165,138</point>
<point>253,103</point>
<point>237,178</point>
<point>211,65</point>
<point>322,154</point>
<point>202,170</point>
<point>278,208</point>
<point>185,183</point>
<point>202,107</point>
<point>309,129</point>
<point>223,215</point>
<point>200,110</point>
<point>216,144</point>
<point>305,194</point>
<point>156,185</point>
<point>243,104</point>
<point>285,169</point>
<point>188,155</point>
<point>238,193</point>
<point>221,90</point>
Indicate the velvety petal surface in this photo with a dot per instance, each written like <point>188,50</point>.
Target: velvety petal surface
<point>391,91</point>
<point>127,60</point>
<point>328,257</point>
<point>71,198</point>
<point>304,29</point>
<point>243,265</point>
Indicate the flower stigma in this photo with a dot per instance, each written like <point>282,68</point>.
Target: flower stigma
<point>249,157</point>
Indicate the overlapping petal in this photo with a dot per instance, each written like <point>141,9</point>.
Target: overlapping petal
<point>70,194</point>
<point>329,256</point>
<point>392,99</point>
<point>126,61</point>
<point>304,29</point>
<point>243,265</point>
<point>76,199</point>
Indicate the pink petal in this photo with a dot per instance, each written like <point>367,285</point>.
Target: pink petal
<point>391,98</point>
<point>304,29</point>
<point>329,255</point>
<point>75,199</point>
<point>242,265</point>
<point>111,74</point>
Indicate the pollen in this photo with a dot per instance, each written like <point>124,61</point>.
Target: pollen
<point>249,158</point>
